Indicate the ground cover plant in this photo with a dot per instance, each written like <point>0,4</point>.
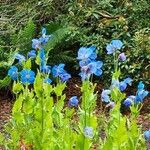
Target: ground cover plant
<point>43,119</point>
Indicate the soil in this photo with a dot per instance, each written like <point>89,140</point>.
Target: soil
<point>73,89</point>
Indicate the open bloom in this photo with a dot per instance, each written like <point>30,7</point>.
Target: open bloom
<point>27,76</point>
<point>85,53</point>
<point>88,132</point>
<point>59,71</point>
<point>147,135</point>
<point>73,101</point>
<point>105,96</point>
<point>113,46</point>
<point>13,72</point>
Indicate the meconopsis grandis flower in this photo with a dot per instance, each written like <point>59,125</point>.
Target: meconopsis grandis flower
<point>140,95</point>
<point>114,46</point>
<point>59,71</point>
<point>27,76</point>
<point>13,72</point>
<point>88,63</point>
<point>39,43</point>
<point>73,101</point>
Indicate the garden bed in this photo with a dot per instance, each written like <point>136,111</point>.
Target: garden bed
<point>73,88</point>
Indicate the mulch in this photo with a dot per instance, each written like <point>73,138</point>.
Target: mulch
<point>73,89</point>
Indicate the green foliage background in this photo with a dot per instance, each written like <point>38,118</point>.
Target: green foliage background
<point>78,23</point>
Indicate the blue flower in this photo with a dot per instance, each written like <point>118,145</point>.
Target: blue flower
<point>44,38</point>
<point>113,46</point>
<point>32,54</point>
<point>27,76</point>
<point>97,67</point>
<point>140,96</point>
<point>141,85</point>
<point>88,132</point>
<point>122,86</point>
<point>105,96</point>
<point>47,80</point>
<point>19,57</point>
<point>73,101</point>
<point>58,70</point>
<point>13,72</point>
<point>128,81</point>
<point>46,69</point>
<point>122,57</point>
<point>147,135</point>
<point>85,53</point>
<point>141,93</point>
<point>87,71</point>
<point>64,77</point>
<point>36,44</point>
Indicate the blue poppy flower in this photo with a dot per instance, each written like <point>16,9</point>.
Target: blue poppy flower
<point>46,69</point>
<point>13,72</point>
<point>122,86</point>
<point>141,85</point>
<point>85,53</point>
<point>105,96</point>
<point>128,81</point>
<point>27,76</point>
<point>64,77</point>
<point>122,57</point>
<point>58,70</point>
<point>36,44</point>
<point>88,132</point>
<point>147,135</point>
<point>73,101</point>
<point>47,80</point>
<point>141,93</point>
<point>87,71</point>
<point>113,46</point>
<point>32,54</point>
<point>97,65</point>
<point>44,38</point>
<point>19,57</point>
<point>140,96</point>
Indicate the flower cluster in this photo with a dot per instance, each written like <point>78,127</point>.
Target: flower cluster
<point>87,61</point>
<point>39,43</point>
<point>59,71</point>
<point>140,95</point>
<point>121,85</point>
<point>27,76</point>
<point>113,47</point>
